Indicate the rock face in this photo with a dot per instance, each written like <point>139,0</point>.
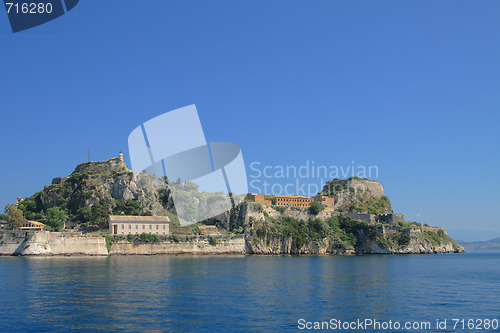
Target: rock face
<point>114,188</point>
<point>423,240</point>
<point>109,183</point>
<point>280,230</point>
<point>358,195</point>
<point>285,246</point>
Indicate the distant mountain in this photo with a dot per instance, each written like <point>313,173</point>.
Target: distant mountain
<point>492,244</point>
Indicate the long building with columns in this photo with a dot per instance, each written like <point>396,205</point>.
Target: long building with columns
<point>291,200</point>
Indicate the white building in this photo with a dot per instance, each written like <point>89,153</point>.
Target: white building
<point>126,224</point>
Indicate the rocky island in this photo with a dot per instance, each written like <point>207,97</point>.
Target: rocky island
<point>349,216</point>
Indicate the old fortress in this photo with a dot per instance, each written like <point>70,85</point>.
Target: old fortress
<point>297,201</point>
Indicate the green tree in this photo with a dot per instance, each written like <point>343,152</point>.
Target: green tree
<point>84,215</point>
<point>55,217</point>
<point>14,216</point>
<point>100,213</point>
<point>128,207</point>
<point>191,186</point>
<point>29,207</point>
<point>315,208</point>
<point>148,238</point>
<point>404,240</point>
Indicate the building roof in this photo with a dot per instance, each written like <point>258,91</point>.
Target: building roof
<point>205,227</point>
<point>131,218</point>
<point>291,196</point>
<point>36,223</point>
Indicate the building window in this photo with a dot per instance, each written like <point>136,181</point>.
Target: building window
<point>143,227</point>
<point>136,226</point>
<point>163,227</point>
<point>150,227</point>
<point>130,226</point>
<point>123,227</point>
<point>157,227</point>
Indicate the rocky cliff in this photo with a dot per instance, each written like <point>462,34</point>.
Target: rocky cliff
<point>280,230</point>
<point>358,195</point>
<point>96,189</point>
<point>361,221</point>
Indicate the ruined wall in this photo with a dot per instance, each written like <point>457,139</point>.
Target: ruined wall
<point>391,218</point>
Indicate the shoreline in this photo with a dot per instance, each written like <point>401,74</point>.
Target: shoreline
<point>45,243</point>
<point>230,255</point>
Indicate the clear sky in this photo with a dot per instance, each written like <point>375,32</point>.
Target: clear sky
<point>411,87</point>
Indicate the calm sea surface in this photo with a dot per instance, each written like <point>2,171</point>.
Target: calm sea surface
<point>243,293</point>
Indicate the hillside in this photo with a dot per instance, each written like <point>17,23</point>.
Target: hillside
<point>358,195</point>
<point>361,221</point>
<point>281,230</point>
<point>96,189</point>
<point>492,244</point>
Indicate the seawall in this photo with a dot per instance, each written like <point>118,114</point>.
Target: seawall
<point>44,243</point>
<point>199,245</point>
<point>25,243</point>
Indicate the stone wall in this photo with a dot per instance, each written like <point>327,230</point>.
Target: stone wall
<point>391,218</point>
<point>433,229</point>
<point>200,245</point>
<point>24,243</point>
<point>370,218</point>
<point>18,242</point>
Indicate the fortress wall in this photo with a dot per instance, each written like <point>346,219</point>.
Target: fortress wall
<point>10,242</point>
<point>433,229</point>
<point>391,218</point>
<point>370,218</point>
<point>24,243</point>
<point>225,245</point>
<point>18,242</point>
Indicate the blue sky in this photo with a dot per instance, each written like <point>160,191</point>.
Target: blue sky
<point>411,87</point>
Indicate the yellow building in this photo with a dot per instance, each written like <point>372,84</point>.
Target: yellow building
<point>291,200</point>
<point>126,225</point>
<point>32,225</point>
<point>208,229</point>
